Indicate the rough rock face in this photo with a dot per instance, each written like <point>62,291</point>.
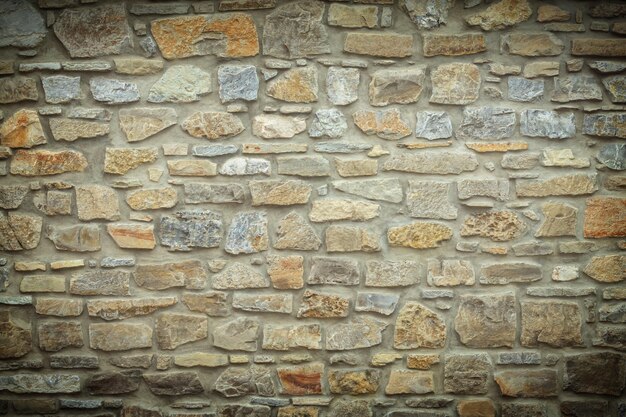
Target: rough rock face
<point>21,25</point>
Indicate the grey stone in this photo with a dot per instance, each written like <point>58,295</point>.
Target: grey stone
<point>431,162</point>
<point>239,276</point>
<point>271,303</point>
<point>616,87</point>
<point>174,383</point>
<point>210,151</point>
<point>607,67</point>
<point>429,199</point>
<point>21,25</point>
<point>113,383</point>
<point>434,294</point>
<point>74,362</point>
<point>304,166</point>
<point>329,123</point>
<point>247,233</point>
<point>159,8</point>
<point>246,166</point>
<point>546,123</point>
<point>61,88</point>
<point>401,86</point>
<point>341,147</point>
<point>89,32</point>
<point>467,374</point>
<point>612,337</point>
<point>433,125</point>
<point>334,271</point>
<point>308,336</point>
<point>188,229</point>
<point>427,14</point>
<point>525,90</point>
<point>493,188</point>
<point>16,300</point>
<point>16,89</point>
<point>486,123</point>
<point>605,124</point>
<point>110,262</point>
<point>342,85</point>
<point>112,91</point>
<point>613,313</point>
<point>519,358</point>
<point>40,384</point>
<point>506,273</point>
<point>100,282</point>
<point>361,332</point>
<point>559,292</point>
<point>576,88</point>
<point>375,189</point>
<point>613,156</point>
<point>149,46</point>
<point>533,249</point>
<point>351,408</point>
<point>237,82</point>
<point>200,193</point>
<point>295,30</point>
<point>71,404</point>
<point>376,302</point>
<point>11,196</point>
<point>239,334</point>
<point>180,84</point>
<point>237,382</point>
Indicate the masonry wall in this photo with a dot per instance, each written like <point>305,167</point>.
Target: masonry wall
<point>353,208</point>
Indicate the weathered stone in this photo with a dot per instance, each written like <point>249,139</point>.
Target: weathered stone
<point>342,147</point>
<point>545,123</point>
<point>386,45</point>
<point>278,192</point>
<point>113,383</point>
<point>525,90</point>
<point>15,335</point>
<point>137,66</point>
<point>301,380</point>
<point>174,383</point>
<point>212,303</point>
<point>386,124</point>
<point>419,235</point>
<point>613,156</point>
<point>523,410</point>
<point>190,274</point>
<point>486,123</point>
<point>71,129</point>
<point>350,408</point>
<point>559,220</point>
<point>467,374</point>
<point>173,329</point>
<point>274,126</point>
<point>213,125</point>
<point>329,123</point>
<point>124,308</point>
<point>298,85</point>
<point>595,373</point>
<point>356,168</point>
<point>40,384</point>
<point>374,189</point>
<point>576,88</point>
<point>152,198</point>
<point>556,324</point>
<point>295,30</point>
<point>238,334</point>
<point>213,150</point>
<point>457,83</point>
<point>453,45</point>
<point>246,166</point>
<point>16,89</point>
<point>35,406</point>
<point>298,411</point>
<point>142,123</point>
<point>584,408</point>
<point>237,82</point>
<point>20,25</point>
<point>426,14</point>
<point>607,67</point>
<point>42,283</point>
<point>239,276</point>
<point>352,16</point>
<point>505,273</point>
<point>137,411</point>
<point>608,268</point>
<point>244,410</point>
<point>78,238</point>
<point>286,272</point>
<point>19,231</point>
<point>59,307</point>
<point>532,44</point>
<point>539,383</point>
<point>113,91</point>
<point>429,199</point>
<point>54,203</point>
<point>232,35</point>
<point>342,85</point>
<point>229,5</point>
<point>57,335</point>
<point>598,47</point>
<point>447,273</point>
<point>362,332</point>
<point>180,84</point>
<point>237,382</point>
<point>501,15</point>
<point>308,336</point>
<point>22,130</point>
<point>97,202</point>
<point>410,382</point>
<point>295,233</point>
<point>11,196</point>
<point>400,86</point>
<point>418,327</point>
<point>326,210</point>
<point>320,305</point>
<point>605,125</point>
<point>486,321</point>
<point>433,125</point>
<point>337,271</point>
<point>119,336</point>
<point>574,184</point>
<point>121,160</point>
<point>94,31</point>
<point>199,193</point>
<point>273,303</point>
<point>432,163</point>
<point>187,229</point>
<point>612,337</point>
<point>351,239</point>
<point>207,360</point>
<point>61,88</point>
<point>191,168</point>
<point>100,282</point>
<point>550,13</point>
<point>247,233</point>
<point>499,226</point>
<point>392,273</point>
<point>376,302</point>
<point>493,188</point>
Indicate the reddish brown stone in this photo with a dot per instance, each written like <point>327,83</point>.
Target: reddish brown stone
<point>22,130</point>
<point>35,163</point>
<point>605,217</point>
<point>302,380</point>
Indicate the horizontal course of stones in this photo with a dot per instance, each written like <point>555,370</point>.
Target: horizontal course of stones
<point>352,208</point>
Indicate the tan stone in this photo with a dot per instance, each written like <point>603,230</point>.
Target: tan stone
<point>320,305</point>
<point>326,210</point>
<point>308,336</point>
<point>450,273</point>
<point>538,383</point>
<point>19,231</point>
<point>497,147</point>
<point>174,329</point>
<point>352,16</point>
<point>279,192</point>
<point>57,335</point>
<point>532,44</point>
<point>354,382</point>
<point>286,272</point>
<point>60,307</point>
<point>356,167</point>
<point>560,219</point>
<point>212,303</point>
<point>476,408</point>
<point>70,130</point>
<point>410,382</point>
<point>554,323</point>
<point>152,198</point>
<point>550,13</point>
<point>457,83</point>
<point>132,236</point>
<point>609,268</point>
<point>294,232</point>
<point>112,337</point>
<point>573,184</point>
<point>65,264</point>
<point>605,217</point>
<point>387,45</point>
<point>96,201</point>
<point>36,163</point>
<point>188,273</point>
<point>351,239</point>
<point>301,380</point>
<point>137,66</point>
<point>141,123</point>
<point>205,360</point>
<point>22,130</point>
<point>212,125</point>
<point>453,45</point>
<point>421,361</point>
<point>298,85</point>
<point>384,359</point>
<point>15,336</point>
<point>598,47</point>
<point>386,124</point>
<point>562,158</point>
<point>239,276</point>
<point>191,168</point>
<point>541,69</point>
<point>418,327</point>
<point>499,226</point>
<point>419,235</point>
<point>122,160</point>
<point>42,283</point>
<point>304,411</point>
<point>126,308</point>
<point>263,303</point>
<point>500,15</point>
<point>234,35</point>
<point>486,321</point>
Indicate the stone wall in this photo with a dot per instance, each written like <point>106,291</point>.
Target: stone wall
<point>300,209</point>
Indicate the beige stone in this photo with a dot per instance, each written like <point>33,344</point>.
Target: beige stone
<point>486,321</point>
<point>418,327</point>
<point>22,130</point>
<point>191,168</point>
<point>573,184</point>
<point>354,382</point>
<point>605,217</point>
<point>386,45</point>
<point>298,85</point>
<point>279,192</point>
<point>450,273</point>
<point>142,123</point>
<point>531,44</point>
<point>609,268</point>
<point>352,16</point>
<point>15,335</point>
<point>190,274</point>
<point>536,383</point>
<point>386,124</point>
<point>421,361</point>
<point>212,125</point>
<point>125,308</point>
<point>152,198</point>
<point>351,239</point>
<point>550,13</point>
<point>174,329</point>
<point>286,272</point>
<point>598,47</point>
<point>201,359</point>
<point>122,160</point>
<point>42,283</point>
<point>499,226</point>
<point>554,323</point>
<point>57,335</point>
<point>541,69</point>
<point>70,130</point>
<point>410,382</point>
<point>457,83</point>
<point>112,337</point>
<point>137,66</point>
<point>356,167</point>
<point>560,219</point>
<point>19,231</point>
<point>476,408</point>
<point>419,235</point>
<point>294,232</point>
<point>96,201</point>
<point>501,15</point>
<point>453,45</point>
<point>325,210</point>
<point>36,163</point>
<point>320,305</point>
<point>308,336</point>
<point>60,307</point>
<point>132,236</point>
<point>212,303</point>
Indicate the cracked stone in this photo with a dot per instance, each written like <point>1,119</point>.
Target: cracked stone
<point>386,124</point>
<point>557,324</point>
<point>433,125</point>
<point>174,329</point>
<point>362,332</point>
<point>187,229</point>
<point>247,233</point>
<point>19,231</point>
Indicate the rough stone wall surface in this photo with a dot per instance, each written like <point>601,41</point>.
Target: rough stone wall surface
<point>343,208</point>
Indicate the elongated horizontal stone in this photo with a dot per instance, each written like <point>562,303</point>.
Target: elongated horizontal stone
<point>40,384</point>
<point>100,282</point>
<point>279,192</point>
<point>419,235</point>
<point>190,274</point>
<point>112,337</point>
<point>36,163</point>
<point>453,45</point>
<point>430,162</point>
<point>609,125</point>
<point>199,193</point>
<point>506,273</point>
<point>325,210</point>
<point>575,184</point>
<point>124,308</point>
<point>387,45</point>
<point>598,47</point>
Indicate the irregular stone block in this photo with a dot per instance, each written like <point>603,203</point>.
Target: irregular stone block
<point>376,302</point>
<point>598,47</point>
<point>450,273</point>
<point>188,229</point>
<point>22,130</point>
<point>19,231</point>
<point>297,85</point>
<point>433,125</point>
<point>430,162</point>
<point>329,123</point>
<point>237,82</point>
<point>506,273</point>
<point>239,276</point>
<point>61,89</point>
<point>200,193</point>
<point>173,329</point>
<point>334,271</point>
<point>530,44</point>
<point>325,210</point>
<point>174,383</point>
<point>16,336</point>
<point>360,333</point>
<point>429,199</point>
<point>246,166</point>
<point>467,374</point>
<point>352,16</point>
<point>57,335</point>
<point>59,307</point>
<point>96,201</point>
<point>237,382</point>
<point>556,324</point>
<point>247,233</point>
<point>180,84</point>
<point>301,380</point>
<point>486,123</point>
<point>142,123</point>
<point>212,125</point>
<point>190,274</point>
<point>112,337</point>
<point>499,226</point>
<point>613,156</point>
<point>320,305</point>
<point>286,272</point>
<point>308,336</point>
<point>401,86</point>
<point>609,125</point>
<point>609,268</point>
<point>239,334</point>
<point>294,232</point>
<point>604,217</point>
<point>342,85</point>
<point>574,184</point>
<point>40,384</point>
<point>540,383</point>
<point>211,303</point>
<point>121,160</point>
<point>524,90</point>
<point>595,373</point>
<point>21,25</point>
<point>386,45</point>
<point>419,235</point>
<point>418,327</point>
<point>351,239</point>
<point>100,282</point>
<point>457,83</point>
<point>560,219</point>
<point>486,321</point>
<point>275,126</point>
<point>386,124</point>
<point>410,382</point>
<point>274,303</point>
<point>113,383</point>
<point>123,308</point>
<point>453,45</point>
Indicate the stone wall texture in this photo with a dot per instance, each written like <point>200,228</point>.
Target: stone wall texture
<point>395,208</point>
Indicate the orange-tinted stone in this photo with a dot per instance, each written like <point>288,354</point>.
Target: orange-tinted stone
<point>34,163</point>
<point>605,217</point>
<point>497,147</point>
<point>302,380</point>
<point>22,130</point>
